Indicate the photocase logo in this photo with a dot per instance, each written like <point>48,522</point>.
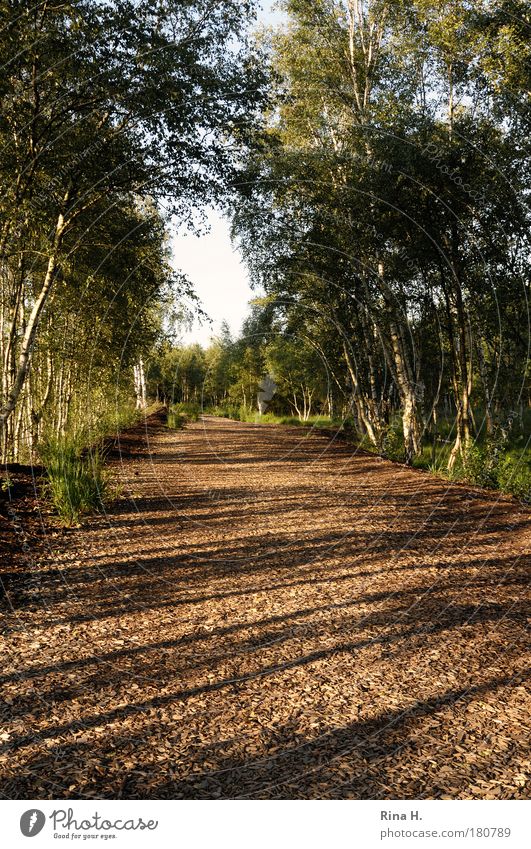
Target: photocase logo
<point>32,822</point>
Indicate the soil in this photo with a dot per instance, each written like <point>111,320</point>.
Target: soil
<point>265,613</point>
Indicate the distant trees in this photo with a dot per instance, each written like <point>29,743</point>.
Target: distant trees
<point>177,374</point>
<point>298,372</point>
<point>230,373</point>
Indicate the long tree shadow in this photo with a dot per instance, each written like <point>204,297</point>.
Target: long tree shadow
<point>427,572</point>
<point>403,624</point>
<point>267,553</point>
<point>424,603</point>
<point>363,759</point>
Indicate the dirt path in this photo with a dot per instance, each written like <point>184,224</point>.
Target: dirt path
<point>268,614</point>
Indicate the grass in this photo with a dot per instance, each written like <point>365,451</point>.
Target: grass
<point>77,482</point>
<point>242,414</point>
<point>495,462</point>
<point>179,414</point>
<point>292,421</point>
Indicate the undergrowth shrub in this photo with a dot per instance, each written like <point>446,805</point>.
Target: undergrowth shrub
<point>514,476</point>
<point>225,411</point>
<point>480,463</point>
<point>478,467</point>
<point>77,482</point>
<point>175,420</point>
<point>393,447</point>
<point>114,420</point>
<point>179,414</point>
<point>189,410</point>
<point>491,466</point>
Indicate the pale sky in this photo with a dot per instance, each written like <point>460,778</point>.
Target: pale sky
<point>219,277</point>
<point>213,265</point>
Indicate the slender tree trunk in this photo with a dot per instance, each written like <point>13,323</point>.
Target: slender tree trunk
<point>140,385</point>
<point>489,418</point>
<point>28,341</point>
<point>360,401</point>
<point>407,392</point>
<point>398,358</point>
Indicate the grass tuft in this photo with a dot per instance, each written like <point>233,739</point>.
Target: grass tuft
<point>77,483</point>
<point>179,414</point>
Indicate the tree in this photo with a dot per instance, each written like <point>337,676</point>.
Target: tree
<point>106,105</point>
<point>387,195</point>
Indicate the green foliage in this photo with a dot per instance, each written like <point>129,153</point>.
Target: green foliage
<point>496,462</point>
<point>490,465</point>
<point>479,467</point>
<point>103,421</point>
<point>7,484</point>
<point>345,227</point>
<point>480,462</point>
<point>77,481</point>
<point>298,371</point>
<point>116,117</point>
<point>179,414</point>
<point>253,417</point>
<point>176,420</point>
<point>189,410</point>
<point>514,476</point>
<point>393,445</point>
<point>225,411</point>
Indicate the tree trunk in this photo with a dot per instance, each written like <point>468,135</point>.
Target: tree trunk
<point>28,341</point>
<point>362,409</point>
<point>140,385</point>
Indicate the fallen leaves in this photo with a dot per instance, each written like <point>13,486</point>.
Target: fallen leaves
<point>349,634</point>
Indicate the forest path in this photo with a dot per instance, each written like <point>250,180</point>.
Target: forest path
<point>268,613</point>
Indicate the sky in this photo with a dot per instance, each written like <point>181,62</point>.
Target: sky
<point>219,277</point>
<point>213,265</point>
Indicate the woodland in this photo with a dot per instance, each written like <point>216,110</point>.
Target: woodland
<point>374,160</point>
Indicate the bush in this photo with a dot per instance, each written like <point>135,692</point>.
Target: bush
<point>514,477</point>
<point>226,412</point>
<point>491,466</point>
<point>189,411</point>
<point>77,483</point>
<point>479,467</point>
<point>112,421</point>
<point>481,463</point>
<point>175,420</point>
<point>393,445</point>
<point>179,414</point>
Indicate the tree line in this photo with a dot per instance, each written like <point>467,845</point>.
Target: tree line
<point>374,158</point>
<point>384,209</point>
<point>118,119</point>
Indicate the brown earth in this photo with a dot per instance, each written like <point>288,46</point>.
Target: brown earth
<point>267,613</point>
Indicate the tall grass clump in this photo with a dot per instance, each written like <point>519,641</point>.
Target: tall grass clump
<point>175,420</point>
<point>225,411</point>
<point>179,414</point>
<point>77,482</point>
